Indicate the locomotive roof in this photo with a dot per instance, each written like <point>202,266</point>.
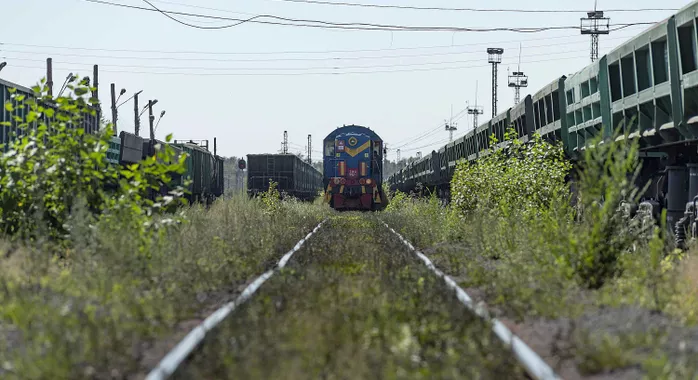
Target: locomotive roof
<point>352,128</point>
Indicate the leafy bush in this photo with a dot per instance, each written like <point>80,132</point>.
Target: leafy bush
<point>605,180</point>
<point>527,182</point>
<point>98,310</point>
<point>54,164</point>
<point>95,267</point>
<point>521,177</point>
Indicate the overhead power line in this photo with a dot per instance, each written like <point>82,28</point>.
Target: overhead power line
<point>333,67</point>
<point>501,43</point>
<point>302,73</point>
<point>286,21</point>
<point>467,9</point>
<point>292,59</point>
<point>409,141</point>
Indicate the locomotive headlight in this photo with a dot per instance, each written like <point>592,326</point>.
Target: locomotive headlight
<point>369,181</point>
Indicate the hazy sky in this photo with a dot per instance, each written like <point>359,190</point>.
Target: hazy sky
<point>245,88</point>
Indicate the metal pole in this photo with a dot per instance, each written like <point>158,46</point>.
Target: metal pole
<point>137,121</point>
<point>113,107</point>
<point>152,129</point>
<point>95,93</point>
<point>95,97</point>
<point>214,146</point>
<point>49,75</point>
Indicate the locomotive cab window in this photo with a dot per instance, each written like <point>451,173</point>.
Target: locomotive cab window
<point>329,148</point>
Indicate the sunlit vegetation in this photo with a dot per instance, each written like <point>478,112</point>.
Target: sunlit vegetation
<point>517,236</point>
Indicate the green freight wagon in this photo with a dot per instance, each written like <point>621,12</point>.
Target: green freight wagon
<point>218,177</point>
<point>8,134</point>
<point>294,176</point>
<point>200,171</point>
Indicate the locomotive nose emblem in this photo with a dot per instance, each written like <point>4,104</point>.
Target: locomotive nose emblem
<point>352,141</point>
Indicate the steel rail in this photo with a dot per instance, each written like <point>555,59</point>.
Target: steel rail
<point>169,364</point>
<point>534,364</point>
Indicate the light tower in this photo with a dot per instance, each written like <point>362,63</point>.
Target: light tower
<point>475,110</point>
<point>285,144</point>
<point>595,24</point>
<point>450,126</point>
<point>518,80</point>
<point>310,149</point>
<point>494,56</point>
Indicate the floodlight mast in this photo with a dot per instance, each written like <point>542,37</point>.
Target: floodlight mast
<point>494,56</point>
<point>594,25</point>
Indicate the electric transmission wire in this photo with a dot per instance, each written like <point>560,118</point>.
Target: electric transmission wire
<point>292,59</point>
<point>421,137</point>
<point>282,68</point>
<point>302,73</point>
<point>508,42</point>
<point>468,9</point>
<point>286,21</point>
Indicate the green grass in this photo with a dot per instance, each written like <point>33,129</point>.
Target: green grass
<point>353,303</point>
<point>550,259</point>
<point>96,311</point>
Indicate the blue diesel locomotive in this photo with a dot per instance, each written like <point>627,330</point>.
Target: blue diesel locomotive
<point>353,169</point>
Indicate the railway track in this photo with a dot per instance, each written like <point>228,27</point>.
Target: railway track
<point>353,299</point>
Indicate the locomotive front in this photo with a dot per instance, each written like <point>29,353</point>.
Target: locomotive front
<point>353,168</point>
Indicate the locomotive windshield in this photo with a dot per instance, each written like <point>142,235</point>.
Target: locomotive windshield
<point>329,148</point>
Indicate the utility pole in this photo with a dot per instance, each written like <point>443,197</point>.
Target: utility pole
<point>95,93</point>
<point>398,155</point>
<point>475,110</point>
<point>285,144</point>
<point>49,75</point>
<point>152,129</point>
<point>495,58</point>
<point>310,149</point>
<point>113,107</point>
<point>137,121</point>
<point>518,80</point>
<point>594,25</point>
<point>214,146</point>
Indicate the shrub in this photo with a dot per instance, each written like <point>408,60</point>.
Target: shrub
<point>53,165</point>
<point>606,179</point>
<point>521,177</point>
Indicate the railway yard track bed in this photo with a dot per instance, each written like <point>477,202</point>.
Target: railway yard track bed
<point>353,302</point>
<point>582,338</point>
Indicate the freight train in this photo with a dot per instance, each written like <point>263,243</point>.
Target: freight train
<point>651,80</point>
<point>293,176</point>
<point>203,169</point>
<point>353,169</point>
